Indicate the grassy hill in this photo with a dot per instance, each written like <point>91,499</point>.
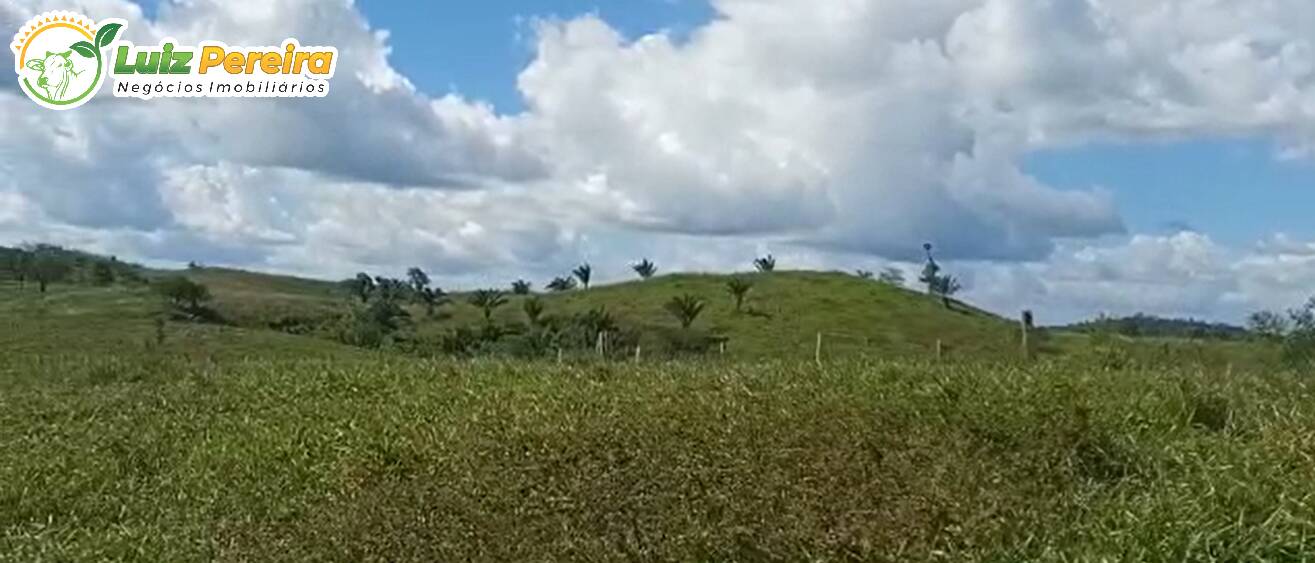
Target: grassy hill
<point>781,317</point>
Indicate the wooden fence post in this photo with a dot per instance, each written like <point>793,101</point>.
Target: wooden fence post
<point>940,350</point>
<point>638,351</point>
<point>1026,323</point>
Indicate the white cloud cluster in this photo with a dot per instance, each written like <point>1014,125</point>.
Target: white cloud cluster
<point>822,129</point>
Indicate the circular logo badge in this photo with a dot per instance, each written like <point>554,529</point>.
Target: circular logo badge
<point>59,58</point>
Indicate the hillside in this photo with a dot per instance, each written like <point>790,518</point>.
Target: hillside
<point>781,316</point>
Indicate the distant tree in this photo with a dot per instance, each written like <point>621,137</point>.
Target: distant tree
<point>48,267</point>
<point>534,310</point>
<point>739,289</point>
<point>521,287</point>
<point>184,294</point>
<point>584,272</point>
<point>765,264</point>
<point>865,274</point>
<point>1267,325</point>
<point>931,271</point>
<point>946,287</point>
<point>561,284</point>
<point>645,269</point>
<point>488,300</point>
<point>362,286</point>
<point>1299,341</point>
<point>418,278</point>
<point>22,266</point>
<point>390,289</point>
<point>194,265</point>
<point>941,285</point>
<point>102,273</point>
<point>685,308</point>
<point>432,298</point>
<point>892,276</point>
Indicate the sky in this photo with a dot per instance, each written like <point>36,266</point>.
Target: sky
<point>1071,157</point>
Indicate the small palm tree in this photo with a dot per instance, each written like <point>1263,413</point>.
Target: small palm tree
<point>765,264</point>
<point>865,274</point>
<point>559,285</point>
<point>521,287</point>
<point>739,289</point>
<point>432,298</point>
<point>685,308</point>
<point>534,309</point>
<point>488,300</point>
<point>584,272</point>
<point>645,269</point>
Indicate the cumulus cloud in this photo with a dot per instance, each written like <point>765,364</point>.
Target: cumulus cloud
<point>833,132</point>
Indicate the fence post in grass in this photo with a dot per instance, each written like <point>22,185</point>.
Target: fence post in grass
<point>559,355</point>
<point>817,352</point>
<point>721,347</point>
<point>638,351</point>
<point>1026,323</point>
<point>940,350</point>
<point>598,346</point>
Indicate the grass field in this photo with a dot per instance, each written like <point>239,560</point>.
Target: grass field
<point>126,438</point>
<point>381,459</point>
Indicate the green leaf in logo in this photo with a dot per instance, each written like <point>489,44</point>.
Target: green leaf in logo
<point>106,34</point>
<point>85,49</point>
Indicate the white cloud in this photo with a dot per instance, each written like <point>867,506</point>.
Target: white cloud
<point>837,133</point>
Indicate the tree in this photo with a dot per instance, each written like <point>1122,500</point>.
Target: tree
<point>645,269</point>
<point>390,289</point>
<point>431,298</point>
<point>534,309</point>
<point>685,308</point>
<point>184,294</point>
<point>561,284</point>
<point>864,274</point>
<point>765,264</point>
<point>1299,342</point>
<point>102,273</point>
<point>584,272</point>
<point>521,287</point>
<point>931,271</point>
<point>488,300</point>
<point>1267,325</point>
<point>48,267</point>
<point>739,289</point>
<point>944,286</point>
<point>418,278</point>
<point>362,286</point>
<point>892,277</point>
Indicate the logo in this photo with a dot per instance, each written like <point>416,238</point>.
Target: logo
<point>59,58</point>
<point>62,58</point>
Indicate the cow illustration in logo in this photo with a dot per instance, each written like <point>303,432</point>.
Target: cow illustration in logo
<point>57,71</point>
<point>59,58</point>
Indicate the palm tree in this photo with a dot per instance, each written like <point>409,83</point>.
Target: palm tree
<point>521,287</point>
<point>534,309</point>
<point>561,284</point>
<point>431,297</point>
<point>488,300</point>
<point>739,289</point>
<point>765,264</point>
<point>685,308</point>
<point>645,269</point>
<point>584,272</point>
<point>865,274</point>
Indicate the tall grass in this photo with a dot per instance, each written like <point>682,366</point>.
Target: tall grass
<point>391,459</point>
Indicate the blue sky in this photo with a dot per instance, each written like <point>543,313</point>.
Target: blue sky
<point>834,134</point>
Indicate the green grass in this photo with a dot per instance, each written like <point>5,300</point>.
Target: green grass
<point>387,459</point>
